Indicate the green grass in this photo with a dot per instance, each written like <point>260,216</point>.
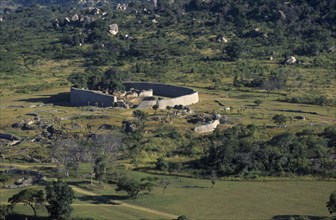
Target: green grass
<point>241,200</point>
<point>93,211</point>
<point>196,199</point>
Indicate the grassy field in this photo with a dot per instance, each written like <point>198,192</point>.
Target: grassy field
<point>196,199</point>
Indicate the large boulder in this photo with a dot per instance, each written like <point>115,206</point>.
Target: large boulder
<point>282,15</point>
<point>222,39</point>
<point>291,60</point>
<point>75,18</point>
<point>113,29</point>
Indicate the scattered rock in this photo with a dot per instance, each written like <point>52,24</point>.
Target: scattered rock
<point>26,127</point>
<point>332,49</point>
<point>121,7</point>
<point>299,117</point>
<point>51,129</point>
<point>17,125</point>
<point>106,127</point>
<point>8,137</point>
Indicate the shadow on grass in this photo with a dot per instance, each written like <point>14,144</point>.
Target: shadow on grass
<point>300,217</point>
<point>60,99</point>
<point>296,111</point>
<point>48,171</point>
<point>102,199</point>
<point>193,187</point>
<point>79,183</point>
<point>24,217</point>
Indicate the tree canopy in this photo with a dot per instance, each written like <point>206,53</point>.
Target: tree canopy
<point>59,196</point>
<point>31,197</point>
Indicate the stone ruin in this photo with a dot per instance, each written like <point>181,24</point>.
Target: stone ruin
<point>140,95</point>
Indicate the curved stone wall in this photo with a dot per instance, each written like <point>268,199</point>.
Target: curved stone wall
<point>179,95</point>
<point>83,97</point>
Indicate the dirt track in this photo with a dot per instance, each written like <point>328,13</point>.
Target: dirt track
<point>127,205</point>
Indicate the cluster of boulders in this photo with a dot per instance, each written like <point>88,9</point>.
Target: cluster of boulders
<point>25,178</point>
<point>121,7</point>
<point>206,122</point>
<point>256,33</point>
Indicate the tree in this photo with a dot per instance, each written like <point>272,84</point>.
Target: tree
<point>100,167</point>
<point>258,102</point>
<point>331,204</point>
<point>279,120</point>
<point>5,210</point>
<point>78,80</point>
<point>155,107</point>
<point>69,153</point>
<point>133,187</point>
<point>182,217</point>
<point>234,51</point>
<point>161,164</point>
<point>140,117</point>
<point>164,183</point>
<point>213,178</point>
<point>32,197</point>
<point>4,178</point>
<point>59,197</point>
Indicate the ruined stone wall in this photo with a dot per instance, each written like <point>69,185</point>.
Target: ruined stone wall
<point>179,95</point>
<point>83,97</point>
<point>146,93</point>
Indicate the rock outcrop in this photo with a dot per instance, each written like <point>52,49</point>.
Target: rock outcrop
<point>208,127</point>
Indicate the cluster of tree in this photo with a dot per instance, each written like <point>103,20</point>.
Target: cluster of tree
<point>57,194</point>
<point>310,99</point>
<point>243,151</point>
<point>100,151</point>
<point>95,79</point>
<point>257,77</point>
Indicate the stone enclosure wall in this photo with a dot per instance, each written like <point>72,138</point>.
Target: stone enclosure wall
<point>83,97</point>
<point>178,95</point>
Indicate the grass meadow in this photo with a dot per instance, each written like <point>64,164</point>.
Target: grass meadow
<point>196,199</point>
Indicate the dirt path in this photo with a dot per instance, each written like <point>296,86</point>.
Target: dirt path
<point>127,205</point>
